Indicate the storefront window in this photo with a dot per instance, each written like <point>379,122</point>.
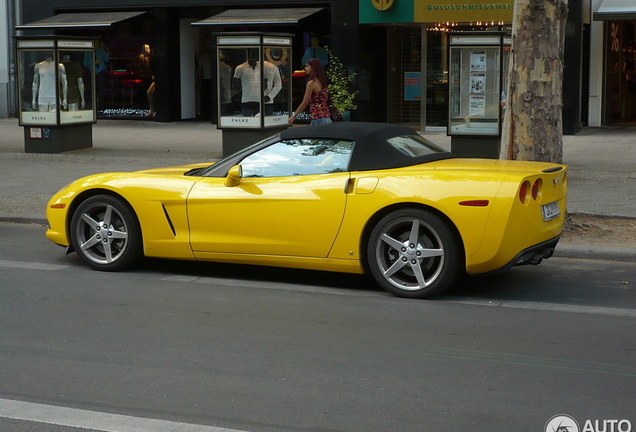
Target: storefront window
<point>436,79</point>
<point>125,77</point>
<point>408,85</point>
<point>620,78</point>
<point>405,75</point>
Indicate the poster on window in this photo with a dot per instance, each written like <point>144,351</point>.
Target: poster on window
<point>412,86</point>
<point>477,106</point>
<point>478,83</point>
<point>478,61</point>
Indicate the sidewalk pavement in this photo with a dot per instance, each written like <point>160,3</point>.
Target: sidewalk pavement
<point>602,166</point>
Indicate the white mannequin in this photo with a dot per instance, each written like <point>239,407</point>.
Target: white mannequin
<point>44,85</point>
<point>249,73</point>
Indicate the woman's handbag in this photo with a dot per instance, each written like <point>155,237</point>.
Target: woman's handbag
<point>335,115</point>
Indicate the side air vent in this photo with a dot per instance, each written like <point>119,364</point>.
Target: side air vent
<point>174,233</point>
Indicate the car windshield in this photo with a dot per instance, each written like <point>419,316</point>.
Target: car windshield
<point>414,145</point>
<point>299,157</point>
<point>220,168</point>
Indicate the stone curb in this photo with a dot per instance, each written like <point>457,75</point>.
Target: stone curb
<point>21,219</point>
<point>607,253</point>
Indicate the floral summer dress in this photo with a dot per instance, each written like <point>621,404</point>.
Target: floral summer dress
<point>318,105</point>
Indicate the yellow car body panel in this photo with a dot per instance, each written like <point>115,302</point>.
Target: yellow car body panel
<point>306,263</point>
<point>285,216</point>
<point>442,186</point>
<point>157,200</point>
<point>441,193</point>
<point>513,226</point>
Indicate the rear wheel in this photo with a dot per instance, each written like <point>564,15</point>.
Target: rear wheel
<point>413,253</point>
<point>105,233</point>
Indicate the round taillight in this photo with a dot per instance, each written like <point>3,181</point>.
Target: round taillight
<point>536,189</point>
<point>523,192</point>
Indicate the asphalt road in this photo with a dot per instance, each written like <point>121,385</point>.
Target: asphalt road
<point>255,349</point>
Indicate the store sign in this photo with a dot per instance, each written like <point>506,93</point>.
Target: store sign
<point>223,40</point>
<point>431,11</point>
<point>277,41</point>
<point>382,5</point>
<point>70,117</point>
<point>36,44</point>
<point>385,11</point>
<point>475,40</point>
<point>75,44</point>
<point>463,10</point>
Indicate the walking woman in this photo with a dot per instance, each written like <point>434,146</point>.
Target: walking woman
<point>315,95</point>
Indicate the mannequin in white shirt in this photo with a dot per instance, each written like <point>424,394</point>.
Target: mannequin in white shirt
<point>43,89</point>
<point>249,75</point>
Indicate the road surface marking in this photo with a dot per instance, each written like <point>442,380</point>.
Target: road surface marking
<point>280,286</point>
<point>98,421</point>
<point>551,307</point>
<point>31,265</point>
<point>509,304</point>
<point>533,361</point>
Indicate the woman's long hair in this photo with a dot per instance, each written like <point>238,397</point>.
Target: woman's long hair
<point>317,72</point>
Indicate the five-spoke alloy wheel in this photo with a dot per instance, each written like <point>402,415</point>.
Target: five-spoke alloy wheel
<point>413,253</point>
<point>105,233</point>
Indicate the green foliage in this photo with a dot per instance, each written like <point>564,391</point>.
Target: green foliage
<point>339,80</point>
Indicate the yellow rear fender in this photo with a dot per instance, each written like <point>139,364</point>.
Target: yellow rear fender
<point>464,205</point>
<point>518,221</point>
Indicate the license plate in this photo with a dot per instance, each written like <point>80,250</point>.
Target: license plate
<point>550,211</point>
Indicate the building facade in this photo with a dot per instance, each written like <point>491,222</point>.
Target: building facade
<point>155,57</point>
<point>612,78</point>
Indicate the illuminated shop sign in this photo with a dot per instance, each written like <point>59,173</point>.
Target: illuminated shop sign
<point>431,11</point>
<point>462,10</point>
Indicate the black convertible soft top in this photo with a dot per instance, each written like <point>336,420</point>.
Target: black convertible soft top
<point>371,150</point>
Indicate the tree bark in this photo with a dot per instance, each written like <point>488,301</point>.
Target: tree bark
<point>532,128</point>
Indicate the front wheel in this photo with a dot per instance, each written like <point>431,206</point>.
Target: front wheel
<point>413,253</point>
<point>105,233</point>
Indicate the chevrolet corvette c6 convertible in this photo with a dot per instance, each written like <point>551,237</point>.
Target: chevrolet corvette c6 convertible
<point>347,197</point>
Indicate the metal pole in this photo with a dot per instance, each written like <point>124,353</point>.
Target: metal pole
<point>424,77</point>
<point>13,18</point>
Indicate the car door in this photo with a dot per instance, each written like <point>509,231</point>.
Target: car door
<point>289,202</point>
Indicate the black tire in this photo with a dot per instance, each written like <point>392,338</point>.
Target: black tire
<point>410,268</point>
<point>105,233</point>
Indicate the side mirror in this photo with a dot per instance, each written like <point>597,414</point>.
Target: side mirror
<point>234,176</point>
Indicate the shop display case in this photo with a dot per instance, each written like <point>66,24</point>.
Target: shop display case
<point>253,86</point>
<point>56,92</point>
<point>54,87</point>
<point>253,80</point>
<point>478,65</point>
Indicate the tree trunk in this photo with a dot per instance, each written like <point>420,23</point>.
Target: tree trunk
<point>532,128</point>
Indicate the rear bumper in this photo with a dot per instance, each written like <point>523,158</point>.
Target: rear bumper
<point>534,254</point>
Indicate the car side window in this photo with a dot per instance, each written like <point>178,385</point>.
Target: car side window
<point>299,157</point>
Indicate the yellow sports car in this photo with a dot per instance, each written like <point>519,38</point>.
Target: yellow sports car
<point>347,197</point>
